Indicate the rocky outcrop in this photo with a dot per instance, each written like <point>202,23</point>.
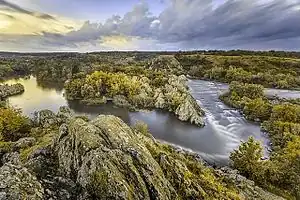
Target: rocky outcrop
<point>109,160</point>
<point>106,159</point>
<point>166,62</point>
<point>247,188</point>
<point>45,118</point>
<point>10,90</point>
<point>24,143</point>
<point>184,105</point>
<point>17,183</point>
<point>190,111</point>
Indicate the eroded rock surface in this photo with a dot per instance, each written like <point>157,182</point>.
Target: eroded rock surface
<point>17,183</point>
<point>106,159</point>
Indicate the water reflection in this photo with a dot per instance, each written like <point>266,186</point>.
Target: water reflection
<point>224,129</point>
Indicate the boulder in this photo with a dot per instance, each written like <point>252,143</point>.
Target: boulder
<point>45,118</point>
<point>13,158</point>
<point>121,101</point>
<point>64,114</point>
<point>106,158</point>
<point>24,143</point>
<point>247,188</point>
<point>189,110</point>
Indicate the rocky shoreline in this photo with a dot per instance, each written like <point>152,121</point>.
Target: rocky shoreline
<point>106,159</point>
<point>172,96</point>
<point>10,90</point>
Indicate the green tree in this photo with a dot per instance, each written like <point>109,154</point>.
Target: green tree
<point>13,125</point>
<point>247,158</point>
<point>258,109</point>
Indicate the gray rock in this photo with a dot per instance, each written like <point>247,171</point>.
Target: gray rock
<point>121,101</point>
<point>64,114</point>
<point>16,183</point>
<point>24,143</point>
<point>3,196</point>
<point>190,111</point>
<point>45,118</point>
<point>247,188</point>
<point>13,158</point>
<point>166,62</point>
<point>101,159</point>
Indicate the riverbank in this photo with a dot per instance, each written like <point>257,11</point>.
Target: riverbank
<point>10,90</point>
<point>168,93</point>
<point>67,157</point>
<point>225,128</point>
<point>280,119</point>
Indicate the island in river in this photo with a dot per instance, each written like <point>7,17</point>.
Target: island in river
<point>74,147</point>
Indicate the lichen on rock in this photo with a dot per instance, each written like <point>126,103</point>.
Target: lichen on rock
<point>17,183</point>
<point>106,159</point>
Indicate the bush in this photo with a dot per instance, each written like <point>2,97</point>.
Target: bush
<point>247,158</point>
<point>13,125</point>
<point>142,127</point>
<point>257,109</point>
<point>286,112</point>
<point>247,90</point>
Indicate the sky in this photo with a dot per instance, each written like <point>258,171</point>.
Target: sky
<point>105,25</point>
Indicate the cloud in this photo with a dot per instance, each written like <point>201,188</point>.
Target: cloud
<point>185,24</point>
<point>19,9</point>
<point>16,21</point>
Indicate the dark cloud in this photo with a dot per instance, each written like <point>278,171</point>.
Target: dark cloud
<point>194,24</point>
<point>197,24</point>
<point>235,21</point>
<point>22,10</point>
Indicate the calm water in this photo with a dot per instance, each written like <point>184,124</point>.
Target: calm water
<point>224,130</point>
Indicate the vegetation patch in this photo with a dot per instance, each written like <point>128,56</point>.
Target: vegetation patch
<point>281,120</point>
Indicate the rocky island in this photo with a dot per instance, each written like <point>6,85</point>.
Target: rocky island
<point>10,90</point>
<point>137,92</point>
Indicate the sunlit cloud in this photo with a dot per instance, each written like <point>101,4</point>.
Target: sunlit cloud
<point>183,24</point>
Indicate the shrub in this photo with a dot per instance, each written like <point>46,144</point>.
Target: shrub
<point>247,158</point>
<point>257,109</point>
<point>13,125</point>
<point>247,90</point>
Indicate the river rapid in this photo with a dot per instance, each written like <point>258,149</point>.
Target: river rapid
<point>225,127</point>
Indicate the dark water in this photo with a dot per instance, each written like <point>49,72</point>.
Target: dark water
<point>224,130</point>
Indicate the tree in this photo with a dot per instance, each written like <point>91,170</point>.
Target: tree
<point>13,125</point>
<point>258,109</point>
<point>247,158</point>
<point>286,112</point>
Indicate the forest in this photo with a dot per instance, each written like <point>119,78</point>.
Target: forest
<point>156,80</point>
<point>254,67</point>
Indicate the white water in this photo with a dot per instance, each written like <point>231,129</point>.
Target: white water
<point>225,128</point>
<point>227,123</point>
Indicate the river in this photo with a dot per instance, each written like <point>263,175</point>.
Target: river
<point>225,128</point>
